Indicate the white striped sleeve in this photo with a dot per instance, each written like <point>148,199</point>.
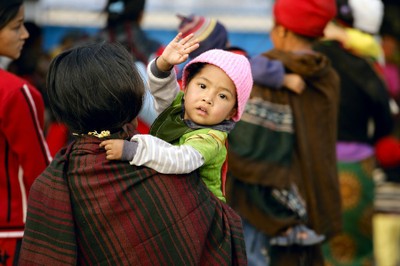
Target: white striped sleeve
<point>165,157</point>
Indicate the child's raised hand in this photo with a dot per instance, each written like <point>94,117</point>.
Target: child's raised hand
<point>177,51</point>
<point>114,148</point>
<point>294,82</point>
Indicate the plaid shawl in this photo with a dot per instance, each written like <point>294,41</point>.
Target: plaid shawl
<point>85,210</point>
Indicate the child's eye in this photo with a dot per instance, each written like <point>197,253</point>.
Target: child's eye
<point>223,96</point>
<point>202,86</point>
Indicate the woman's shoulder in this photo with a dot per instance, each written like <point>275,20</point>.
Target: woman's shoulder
<point>12,85</point>
<point>8,78</point>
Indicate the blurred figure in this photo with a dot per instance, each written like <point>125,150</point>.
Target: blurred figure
<point>69,40</point>
<point>210,32</point>
<point>386,219</point>
<point>32,65</point>
<point>33,62</point>
<point>124,18</point>
<point>364,118</point>
<point>282,165</point>
<point>23,151</point>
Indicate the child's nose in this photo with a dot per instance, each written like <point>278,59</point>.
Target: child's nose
<point>207,99</point>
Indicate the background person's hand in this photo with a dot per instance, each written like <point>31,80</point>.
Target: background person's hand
<point>294,82</point>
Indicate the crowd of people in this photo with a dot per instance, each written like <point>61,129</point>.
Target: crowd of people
<point>117,149</point>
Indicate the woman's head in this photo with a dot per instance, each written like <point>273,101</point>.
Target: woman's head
<point>12,30</point>
<point>95,87</point>
<point>225,75</point>
<point>304,17</point>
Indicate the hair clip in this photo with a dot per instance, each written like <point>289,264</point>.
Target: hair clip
<point>102,134</point>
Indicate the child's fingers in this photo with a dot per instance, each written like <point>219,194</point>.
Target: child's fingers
<point>110,157</point>
<point>187,39</point>
<point>104,143</point>
<point>192,47</point>
<point>177,37</point>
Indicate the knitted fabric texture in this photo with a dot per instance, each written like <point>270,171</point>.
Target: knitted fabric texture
<point>236,66</point>
<point>304,17</point>
<point>367,15</point>
<point>210,32</point>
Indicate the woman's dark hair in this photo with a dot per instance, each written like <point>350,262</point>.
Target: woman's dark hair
<point>192,70</point>
<point>8,10</point>
<point>95,87</point>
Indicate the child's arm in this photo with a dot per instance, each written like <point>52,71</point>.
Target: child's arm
<point>162,156</point>
<point>360,43</point>
<point>271,73</point>
<point>162,78</point>
<point>155,153</point>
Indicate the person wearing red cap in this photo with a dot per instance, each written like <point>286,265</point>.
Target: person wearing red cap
<point>286,141</point>
<point>23,150</point>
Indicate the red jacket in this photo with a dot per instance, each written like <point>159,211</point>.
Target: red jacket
<point>23,151</point>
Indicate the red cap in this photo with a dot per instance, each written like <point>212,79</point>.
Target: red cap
<point>305,17</point>
<point>387,152</point>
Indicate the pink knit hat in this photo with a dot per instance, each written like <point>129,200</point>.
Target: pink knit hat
<point>236,66</point>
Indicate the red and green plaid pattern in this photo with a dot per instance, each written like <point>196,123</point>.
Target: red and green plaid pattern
<point>112,213</point>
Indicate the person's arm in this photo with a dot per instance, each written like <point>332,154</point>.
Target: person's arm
<point>155,153</point>
<point>271,73</point>
<point>163,156</point>
<point>162,78</point>
<point>22,128</point>
<point>360,43</point>
<point>163,86</point>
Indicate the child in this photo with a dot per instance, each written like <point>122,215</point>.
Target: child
<point>192,129</point>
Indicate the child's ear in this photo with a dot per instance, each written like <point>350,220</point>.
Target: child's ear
<point>231,114</point>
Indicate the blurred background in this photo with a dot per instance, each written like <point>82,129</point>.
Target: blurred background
<point>248,22</point>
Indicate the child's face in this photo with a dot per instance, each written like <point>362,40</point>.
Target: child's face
<point>210,97</point>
